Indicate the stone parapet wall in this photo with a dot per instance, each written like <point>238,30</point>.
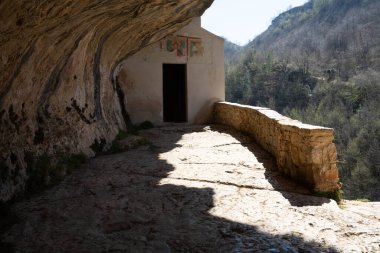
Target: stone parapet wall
<point>304,152</point>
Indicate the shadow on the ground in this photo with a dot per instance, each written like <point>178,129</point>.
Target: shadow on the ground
<point>120,203</point>
<point>278,181</point>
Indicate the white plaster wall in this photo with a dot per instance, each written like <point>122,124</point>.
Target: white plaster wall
<point>141,78</point>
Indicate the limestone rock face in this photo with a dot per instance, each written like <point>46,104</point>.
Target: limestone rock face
<point>58,62</point>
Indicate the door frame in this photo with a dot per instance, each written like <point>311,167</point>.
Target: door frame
<point>183,95</point>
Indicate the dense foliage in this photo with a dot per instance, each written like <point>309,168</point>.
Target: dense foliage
<point>320,63</point>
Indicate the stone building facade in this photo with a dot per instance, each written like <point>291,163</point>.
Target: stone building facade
<point>177,79</point>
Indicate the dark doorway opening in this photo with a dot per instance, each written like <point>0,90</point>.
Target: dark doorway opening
<point>174,92</point>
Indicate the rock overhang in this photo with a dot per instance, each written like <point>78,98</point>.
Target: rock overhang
<point>58,93</point>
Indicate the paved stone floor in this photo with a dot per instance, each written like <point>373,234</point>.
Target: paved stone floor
<point>194,189</point>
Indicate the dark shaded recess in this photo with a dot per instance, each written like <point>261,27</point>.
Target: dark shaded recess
<point>61,122</point>
<point>96,69</point>
<point>79,111</point>
<point>13,117</point>
<point>38,170</point>
<point>39,136</point>
<point>6,247</point>
<point>13,158</point>
<point>146,125</point>
<point>23,114</point>
<point>43,172</point>
<point>4,170</point>
<point>73,162</point>
<point>97,79</point>
<point>121,96</point>
<point>20,21</point>
<point>139,9</point>
<point>135,128</point>
<point>2,112</point>
<point>28,159</point>
<point>49,10</point>
<point>46,111</point>
<point>23,61</point>
<point>46,171</point>
<point>40,118</point>
<point>98,145</point>
<point>7,217</point>
<point>15,173</point>
<point>7,220</point>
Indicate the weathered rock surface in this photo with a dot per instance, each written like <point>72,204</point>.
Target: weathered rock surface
<point>195,189</point>
<point>59,61</point>
<point>304,152</point>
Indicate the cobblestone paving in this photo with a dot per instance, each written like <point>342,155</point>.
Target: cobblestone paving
<point>193,189</point>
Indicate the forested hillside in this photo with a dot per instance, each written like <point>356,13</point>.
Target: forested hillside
<point>320,63</point>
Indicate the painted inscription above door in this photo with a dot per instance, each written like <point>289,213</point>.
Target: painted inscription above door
<point>182,45</point>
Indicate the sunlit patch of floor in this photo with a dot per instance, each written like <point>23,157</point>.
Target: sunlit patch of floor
<point>192,189</point>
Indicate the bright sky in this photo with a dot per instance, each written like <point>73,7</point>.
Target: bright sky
<point>242,20</point>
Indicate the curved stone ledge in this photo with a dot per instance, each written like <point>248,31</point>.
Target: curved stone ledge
<point>304,152</point>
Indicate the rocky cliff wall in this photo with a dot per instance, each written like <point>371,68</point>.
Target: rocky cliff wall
<point>59,61</point>
<point>304,152</point>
